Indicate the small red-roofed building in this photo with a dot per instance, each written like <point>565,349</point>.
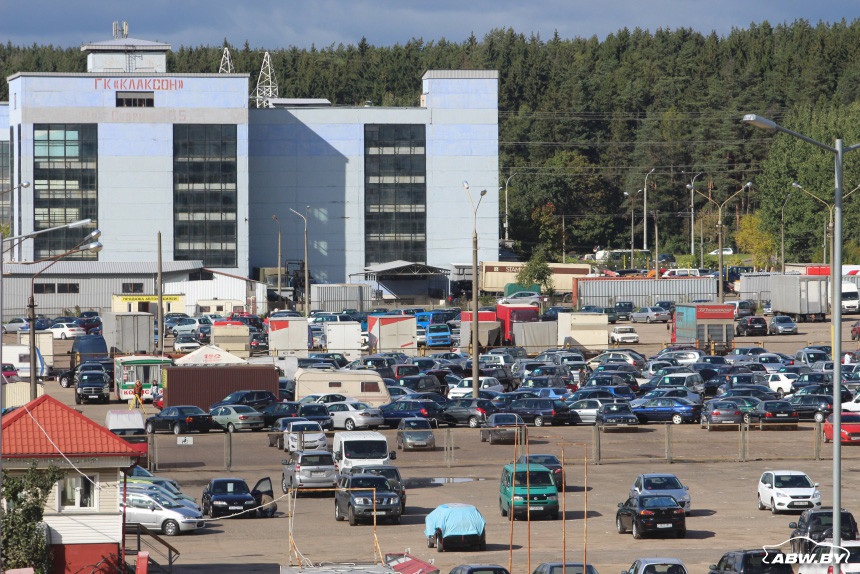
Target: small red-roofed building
<point>83,515</point>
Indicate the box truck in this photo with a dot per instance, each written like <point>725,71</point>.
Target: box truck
<point>289,336</point>
<point>343,337</point>
<point>393,333</point>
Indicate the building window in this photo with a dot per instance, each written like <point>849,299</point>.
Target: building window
<point>201,275</point>
<point>78,492</point>
<point>395,193</point>
<point>204,194</point>
<point>135,99</point>
<point>132,287</point>
<point>44,288</point>
<point>68,288</point>
<point>65,186</point>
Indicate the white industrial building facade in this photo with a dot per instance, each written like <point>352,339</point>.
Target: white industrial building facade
<point>139,151</point>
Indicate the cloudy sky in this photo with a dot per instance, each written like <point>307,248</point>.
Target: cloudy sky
<point>271,24</point>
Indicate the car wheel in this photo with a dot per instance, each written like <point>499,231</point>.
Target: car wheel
<point>773,509</point>
<point>708,426</point>
<point>149,428</point>
<point>758,501</point>
<point>747,418</point>
<point>349,424</point>
<point>677,419</point>
<point>231,428</point>
<point>647,319</point>
<point>780,393</point>
<point>702,422</point>
<point>483,437</point>
<point>681,533</point>
<point>819,417</point>
<point>502,510</point>
<point>636,533</point>
<point>170,528</point>
<point>474,422</point>
<point>63,336</point>
<point>482,545</point>
<point>440,542</point>
<point>284,484</point>
<point>431,542</point>
<point>64,382</point>
<point>177,429</point>
<point>337,515</point>
<point>538,421</point>
<point>351,516</point>
<point>395,519</point>
<point>618,526</point>
<point>77,398</point>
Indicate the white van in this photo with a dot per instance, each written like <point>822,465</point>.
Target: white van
<point>850,298</point>
<point>365,386</point>
<point>681,273</point>
<point>361,448</point>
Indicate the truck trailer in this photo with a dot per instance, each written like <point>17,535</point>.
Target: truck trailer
<point>801,297</point>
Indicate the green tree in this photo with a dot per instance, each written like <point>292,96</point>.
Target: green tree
<point>24,545</point>
<point>752,237</point>
<point>537,270</point>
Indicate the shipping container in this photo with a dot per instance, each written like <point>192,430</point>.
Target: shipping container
<point>755,286</point>
<point>709,327</point>
<point>508,315</point>
<point>496,274</point>
<point>393,333</point>
<point>807,269</point>
<point>587,332</point>
<point>204,386</point>
<point>801,297</point>
<point>336,297</point>
<point>466,316</point>
<point>343,337</point>
<point>642,291</point>
<point>289,336</point>
<point>129,332</point>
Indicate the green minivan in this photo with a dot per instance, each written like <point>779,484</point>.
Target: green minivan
<point>528,489</point>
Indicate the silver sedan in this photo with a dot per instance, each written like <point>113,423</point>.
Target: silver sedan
<point>351,415</point>
<point>650,315</point>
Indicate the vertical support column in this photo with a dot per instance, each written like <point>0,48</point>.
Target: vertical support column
<point>595,442</point>
<point>669,442</point>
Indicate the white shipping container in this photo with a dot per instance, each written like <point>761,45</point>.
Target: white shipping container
<point>393,333</point>
<point>585,331</point>
<point>336,297</point>
<point>129,333</point>
<point>343,337</point>
<point>289,336</point>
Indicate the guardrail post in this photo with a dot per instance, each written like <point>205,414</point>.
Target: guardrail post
<point>669,442</point>
<point>449,448</point>
<point>228,450</point>
<point>816,443</point>
<point>742,442</point>
<point>152,454</point>
<point>595,444</point>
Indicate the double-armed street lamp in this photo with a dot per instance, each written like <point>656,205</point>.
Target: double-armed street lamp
<point>475,372</point>
<point>692,187</point>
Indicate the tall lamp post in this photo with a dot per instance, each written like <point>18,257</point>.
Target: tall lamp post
<point>782,231</point>
<point>645,211</point>
<point>631,224</point>
<point>307,283</point>
<point>275,218</point>
<point>720,234</point>
<point>692,187</point>
<point>836,311</point>
<point>829,207</point>
<point>506,201</point>
<point>475,373</point>
<point>92,246</point>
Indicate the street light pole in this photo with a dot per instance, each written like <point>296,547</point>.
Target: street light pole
<point>645,212</point>
<point>275,218</point>
<point>631,224</point>
<point>692,187</point>
<point>506,202</point>
<point>830,224</point>
<point>475,372</point>
<point>307,285</point>
<point>836,311</point>
<point>720,235</point>
<point>782,231</point>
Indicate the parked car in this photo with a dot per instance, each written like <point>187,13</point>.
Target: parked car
<point>650,315</point>
<point>782,490</point>
<point>15,325</point>
<point>812,406</point>
<point>351,415</point>
<point>668,409</point>
<point>392,413</point>
<point>775,413</point>
<point>751,326</point>
<point>464,387</point>
<point>275,411</point>
<point>751,562</point>
<point>304,435</point>
<point>521,298</point>
<point>501,427</point>
<point>232,418</point>
<point>528,490</point>
<point>815,525</point>
<point>92,386</point>
<point>784,325</point>
<point>232,497</point>
<point>650,514</point>
<point>656,566</point>
<point>563,568</point>
<point>388,471</point>
<point>479,569</point>
<point>354,499</point>
<point>180,420</point>
<point>541,411</point>
<point>623,335</point>
<point>255,399</point>
<point>456,525</point>
<point>551,462</point>
<point>316,412</point>
<point>717,413</point>
<point>185,343</point>
<point>308,469</point>
<point>159,513</point>
<point>472,412</point>
<point>850,428</point>
<point>662,484</point>
<point>66,330</point>
<point>415,433</point>
<point>615,416</point>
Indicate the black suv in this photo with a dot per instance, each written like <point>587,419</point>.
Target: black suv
<point>750,562</point>
<point>254,399</point>
<point>751,326</point>
<point>354,499</point>
<point>623,309</point>
<point>92,386</point>
<point>817,524</point>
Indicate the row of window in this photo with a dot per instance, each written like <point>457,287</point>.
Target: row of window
<point>56,288</point>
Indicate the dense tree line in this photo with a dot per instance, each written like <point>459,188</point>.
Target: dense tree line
<point>581,121</point>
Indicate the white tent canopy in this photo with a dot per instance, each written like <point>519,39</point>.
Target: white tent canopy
<point>210,355</point>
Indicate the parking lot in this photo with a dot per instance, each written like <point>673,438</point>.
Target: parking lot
<point>724,515</point>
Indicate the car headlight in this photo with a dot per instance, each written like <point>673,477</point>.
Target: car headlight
<point>552,497</point>
<point>219,503</point>
<point>106,389</point>
<point>363,500</point>
<point>685,498</point>
<point>518,498</point>
<point>780,494</point>
<point>816,494</point>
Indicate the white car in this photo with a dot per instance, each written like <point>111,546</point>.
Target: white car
<point>351,415</point>
<point>781,382</point>
<point>787,490</point>
<point>521,298</point>
<point>623,335</point>
<point>66,330</point>
<point>15,325</point>
<point>464,387</point>
<point>312,436</point>
<point>726,251</point>
<point>326,398</point>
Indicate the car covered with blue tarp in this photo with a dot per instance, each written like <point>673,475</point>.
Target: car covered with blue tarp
<point>455,525</point>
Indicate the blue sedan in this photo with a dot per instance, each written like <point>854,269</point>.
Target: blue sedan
<point>668,409</point>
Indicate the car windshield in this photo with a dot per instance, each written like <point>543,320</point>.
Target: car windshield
<point>658,501</point>
<point>662,483</point>
<point>186,411</point>
<point>437,329</point>
<point>617,409</point>
<point>542,459</point>
<point>416,424</point>
<point>570,569</point>
<point>533,478</point>
<point>365,449</point>
<point>232,397</point>
<point>755,564</point>
<point>782,320</point>
<point>314,409</point>
<point>663,568</point>
<point>377,482</point>
<point>243,409</point>
<point>507,420</point>
<point>305,427</point>
<point>230,487</point>
<point>317,460</point>
<point>390,473</point>
<point>792,481</point>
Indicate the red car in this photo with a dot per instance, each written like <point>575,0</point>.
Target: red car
<point>855,331</point>
<point>10,373</point>
<point>850,428</point>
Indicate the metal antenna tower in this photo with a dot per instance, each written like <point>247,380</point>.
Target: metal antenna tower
<point>267,86</point>
<point>226,62</point>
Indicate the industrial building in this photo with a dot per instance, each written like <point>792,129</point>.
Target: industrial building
<point>140,150</point>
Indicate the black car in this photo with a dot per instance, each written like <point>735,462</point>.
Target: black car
<point>615,415</point>
<point>354,499</point>
<point>501,427</point>
<point>646,514</point>
<point>812,407</point>
<point>254,399</point>
<point>203,334</point>
<point>278,410</point>
<point>826,389</point>
<point>259,342</point>
<point>467,411</point>
<point>407,407</point>
<point>231,496</point>
<point>541,411</point>
<point>756,561</point>
<point>180,420</point>
<point>751,326</point>
<point>92,386</point>
<point>502,400</point>
<point>817,525</point>
<point>420,383</point>
<point>338,358</point>
<point>316,412</point>
<point>440,400</point>
<point>623,309</point>
<point>551,462</point>
<point>780,413</point>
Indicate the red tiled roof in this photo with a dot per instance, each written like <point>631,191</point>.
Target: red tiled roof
<point>73,433</point>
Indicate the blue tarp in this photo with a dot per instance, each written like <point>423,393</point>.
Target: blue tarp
<point>454,519</point>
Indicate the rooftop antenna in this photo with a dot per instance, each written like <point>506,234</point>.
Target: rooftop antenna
<point>226,62</point>
<point>267,86</point>
<point>120,30</point>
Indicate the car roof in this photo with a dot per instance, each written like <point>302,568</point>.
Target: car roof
<point>656,560</point>
<point>793,472</point>
<point>657,474</point>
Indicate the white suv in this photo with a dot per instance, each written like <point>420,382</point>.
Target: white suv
<point>787,490</point>
<point>522,298</point>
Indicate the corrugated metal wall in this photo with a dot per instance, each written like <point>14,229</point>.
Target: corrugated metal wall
<point>756,286</point>
<point>337,297</point>
<point>643,292</point>
<point>203,386</point>
<point>220,287</point>
<point>95,294</point>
